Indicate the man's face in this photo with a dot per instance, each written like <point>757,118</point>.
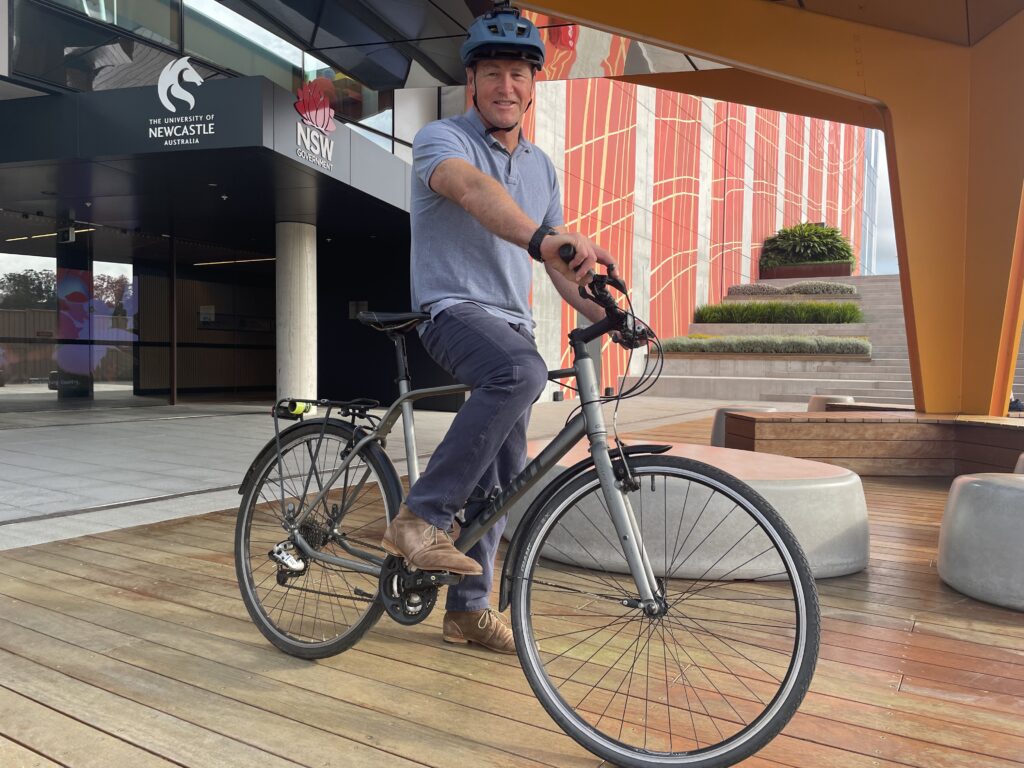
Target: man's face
<point>503,89</point>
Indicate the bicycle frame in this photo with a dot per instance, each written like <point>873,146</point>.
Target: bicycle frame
<point>589,422</point>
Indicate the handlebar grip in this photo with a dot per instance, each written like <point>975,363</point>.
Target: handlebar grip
<point>567,252</point>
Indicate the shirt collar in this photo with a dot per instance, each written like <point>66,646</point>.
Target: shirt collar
<point>474,119</point>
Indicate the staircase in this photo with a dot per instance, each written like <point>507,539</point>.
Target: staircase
<point>883,379</point>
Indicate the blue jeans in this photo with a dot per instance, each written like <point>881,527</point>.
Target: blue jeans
<point>485,447</point>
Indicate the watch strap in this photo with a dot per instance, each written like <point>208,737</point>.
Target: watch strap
<point>534,247</point>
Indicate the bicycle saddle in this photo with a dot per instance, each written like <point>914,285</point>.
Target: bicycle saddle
<point>391,322</point>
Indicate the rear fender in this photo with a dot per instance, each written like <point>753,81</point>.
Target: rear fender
<point>271,447</point>
<point>516,544</point>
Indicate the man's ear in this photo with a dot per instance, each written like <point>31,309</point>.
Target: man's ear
<point>471,77</point>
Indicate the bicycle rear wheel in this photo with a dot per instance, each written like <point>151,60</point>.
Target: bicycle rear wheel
<point>317,609</point>
<point>727,662</point>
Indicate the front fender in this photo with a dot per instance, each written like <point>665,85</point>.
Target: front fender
<point>570,474</point>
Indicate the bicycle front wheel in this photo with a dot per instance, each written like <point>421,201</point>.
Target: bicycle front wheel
<point>726,661</point>
<point>307,607</point>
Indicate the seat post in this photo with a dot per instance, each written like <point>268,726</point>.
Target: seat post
<point>404,387</point>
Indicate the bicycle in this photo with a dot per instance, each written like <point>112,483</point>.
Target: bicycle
<point>663,612</point>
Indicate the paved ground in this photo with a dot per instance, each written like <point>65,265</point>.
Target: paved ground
<point>65,473</point>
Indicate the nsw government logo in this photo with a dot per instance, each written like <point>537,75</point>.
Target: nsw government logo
<point>177,129</point>
<point>312,143</point>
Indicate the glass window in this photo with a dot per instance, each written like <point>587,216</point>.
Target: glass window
<point>75,53</point>
<point>153,19</point>
<point>228,39</point>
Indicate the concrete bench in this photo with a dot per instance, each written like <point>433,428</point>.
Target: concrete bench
<point>822,503</point>
<point>981,541</point>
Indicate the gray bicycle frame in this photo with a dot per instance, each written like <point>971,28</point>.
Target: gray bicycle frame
<point>589,422</point>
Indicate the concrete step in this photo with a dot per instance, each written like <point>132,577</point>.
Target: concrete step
<point>804,397</point>
<point>877,394</point>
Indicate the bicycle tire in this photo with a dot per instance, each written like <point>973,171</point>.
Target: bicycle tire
<point>325,609</point>
<point>755,608</point>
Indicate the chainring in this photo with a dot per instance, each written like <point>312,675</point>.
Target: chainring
<point>409,596</point>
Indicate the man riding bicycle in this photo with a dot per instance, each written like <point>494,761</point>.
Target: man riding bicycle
<point>484,200</point>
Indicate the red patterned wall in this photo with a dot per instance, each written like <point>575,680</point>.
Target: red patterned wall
<point>766,174</point>
<point>729,154</point>
<point>674,211</point>
<point>600,181</point>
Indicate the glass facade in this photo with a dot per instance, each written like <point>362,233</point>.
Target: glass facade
<point>92,319</point>
<point>94,45</point>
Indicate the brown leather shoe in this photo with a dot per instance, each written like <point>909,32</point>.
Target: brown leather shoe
<point>426,547</point>
<point>486,628</point>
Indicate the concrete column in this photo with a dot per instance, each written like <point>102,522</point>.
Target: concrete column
<point>706,193</point>
<point>296,310</point>
<point>780,175</point>
<point>750,138</point>
<point>5,38</point>
<point>805,179</point>
<point>643,201</point>
<point>549,135</point>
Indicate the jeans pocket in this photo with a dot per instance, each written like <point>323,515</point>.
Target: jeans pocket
<point>431,341</point>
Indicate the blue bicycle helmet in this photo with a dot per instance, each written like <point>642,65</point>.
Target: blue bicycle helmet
<point>503,34</point>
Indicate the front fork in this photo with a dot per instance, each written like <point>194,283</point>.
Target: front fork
<point>616,492</point>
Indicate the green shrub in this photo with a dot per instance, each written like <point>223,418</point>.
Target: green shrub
<point>805,244</point>
<point>754,289</point>
<point>786,345</point>
<point>810,287</point>
<point>805,287</point>
<point>779,312</point>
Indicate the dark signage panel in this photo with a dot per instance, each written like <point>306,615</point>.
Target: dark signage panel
<point>215,114</point>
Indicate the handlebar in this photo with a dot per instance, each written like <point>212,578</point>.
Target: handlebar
<point>616,321</point>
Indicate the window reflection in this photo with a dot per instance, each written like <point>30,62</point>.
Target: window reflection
<point>153,19</point>
<point>72,53</point>
<point>220,35</point>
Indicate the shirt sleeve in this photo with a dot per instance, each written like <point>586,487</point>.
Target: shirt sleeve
<point>435,143</point>
<point>554,217</point>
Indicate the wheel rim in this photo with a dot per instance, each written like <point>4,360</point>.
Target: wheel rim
<point>322,603</point>
<point>706,678</point>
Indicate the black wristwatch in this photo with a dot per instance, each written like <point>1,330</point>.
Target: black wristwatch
<point>534,247</point>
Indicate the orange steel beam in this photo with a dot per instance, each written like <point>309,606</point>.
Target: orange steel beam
<point>953,118</point>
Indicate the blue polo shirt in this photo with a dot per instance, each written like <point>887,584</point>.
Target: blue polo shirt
<point>454,259</point>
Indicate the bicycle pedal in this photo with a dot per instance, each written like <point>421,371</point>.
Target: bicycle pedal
<point>440,578</point>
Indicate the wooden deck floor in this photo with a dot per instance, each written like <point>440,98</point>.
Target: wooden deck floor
<point>133,648</point>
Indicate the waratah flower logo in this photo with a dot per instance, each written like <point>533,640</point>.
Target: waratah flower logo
<point>314,108</point>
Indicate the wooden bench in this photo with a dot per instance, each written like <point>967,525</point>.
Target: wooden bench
<point>884,443</point>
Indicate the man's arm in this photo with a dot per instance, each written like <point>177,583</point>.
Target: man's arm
<point>488,202</point>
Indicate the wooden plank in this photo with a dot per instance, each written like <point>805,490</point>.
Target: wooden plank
<point>860,430</point>
<point>856,448</point>
<point>65,740</point>
<point>15,755</point>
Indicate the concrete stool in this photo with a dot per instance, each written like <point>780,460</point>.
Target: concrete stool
<point>822,503</point>
<point>982,538</point>
<point>718,426</point>
<point>818,403</point>
<point>1019,469</point>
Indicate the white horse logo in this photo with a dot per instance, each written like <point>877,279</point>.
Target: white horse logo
<point>170,85</point>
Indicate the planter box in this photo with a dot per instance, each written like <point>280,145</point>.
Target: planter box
<point>826,269</point>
